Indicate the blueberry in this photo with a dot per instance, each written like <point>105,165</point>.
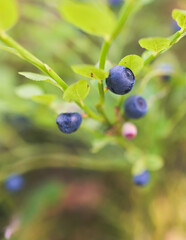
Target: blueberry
<point>175,26</point>
<point>120,80</point>
<point>115,2</point>
<point>69,122</point>
<point>14,183</point>
<point>135,107</point>
<point>142,178</point>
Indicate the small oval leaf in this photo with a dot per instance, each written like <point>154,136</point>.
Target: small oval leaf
<point>8,14</point>
<point>77,92</point>
<point>133,62</point>
<point>39,77</point>
<point>93,19</point>
<point>90,71</point>
<point>156,44</point>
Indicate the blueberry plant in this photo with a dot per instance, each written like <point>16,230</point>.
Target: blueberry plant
<point>97,19</point>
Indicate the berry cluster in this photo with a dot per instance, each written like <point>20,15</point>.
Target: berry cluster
<point>120,81</point>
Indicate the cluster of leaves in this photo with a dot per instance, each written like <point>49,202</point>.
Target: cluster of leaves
<point>95,19</point>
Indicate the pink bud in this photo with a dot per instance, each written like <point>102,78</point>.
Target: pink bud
<point>129,130</point>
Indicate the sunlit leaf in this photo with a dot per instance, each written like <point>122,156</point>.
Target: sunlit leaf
<point>27,91</point>
<point>8,14</point>
<point>77,92</point>
<point>92,18</point>
<point>133,62</point>
<point>156,44</point>
<point>90,71</point>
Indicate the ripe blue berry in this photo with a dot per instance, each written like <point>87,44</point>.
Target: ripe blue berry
<point>135,107</point>
<point>120,80</point>
<point>14,183</point>
<point>115,2</point>
<point>142,178</point>
<point>175,26</point>
<point>69,122</point>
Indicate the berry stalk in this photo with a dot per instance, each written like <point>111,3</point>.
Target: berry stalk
<point>128,8</point>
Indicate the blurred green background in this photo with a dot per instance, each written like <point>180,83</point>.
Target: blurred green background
<point>78,186</point>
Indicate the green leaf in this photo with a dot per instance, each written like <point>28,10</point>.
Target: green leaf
<point>154,162</point>
<point>180,17</point>
<point>77,92</point>
<point>27,91</point>
<point>39,77</point>
<point>138,167</point>
<point>156,44</point>
<point>90,71</point>
<point>44,99</point>
<point>94,19</point>
<point>10,50</point>
<point>8,14</point>
<point>133,62</point>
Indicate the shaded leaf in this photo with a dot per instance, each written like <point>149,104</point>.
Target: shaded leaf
<point>138,167</point>
<point>44,99</point>
<point>90,71</point>
<point>77,92</point>
<point>8,14</point>
<point>133,62</point>
<point>27,91</point>
<point>154,162</point>
<point>91,18</point>
<point>156,44</point>
<point>39,77</point>
<point>42,198</point>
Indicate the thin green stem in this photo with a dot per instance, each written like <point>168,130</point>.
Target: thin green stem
<point>26,55</point>
<point>89,112</point>
<point>127,10</point>
<point>102,61</point>
<point>32,59</point>
<point>104,53</point>
<point>101,111</point>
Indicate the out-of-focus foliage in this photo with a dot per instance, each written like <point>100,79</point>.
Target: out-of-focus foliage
<point>79,186</point>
